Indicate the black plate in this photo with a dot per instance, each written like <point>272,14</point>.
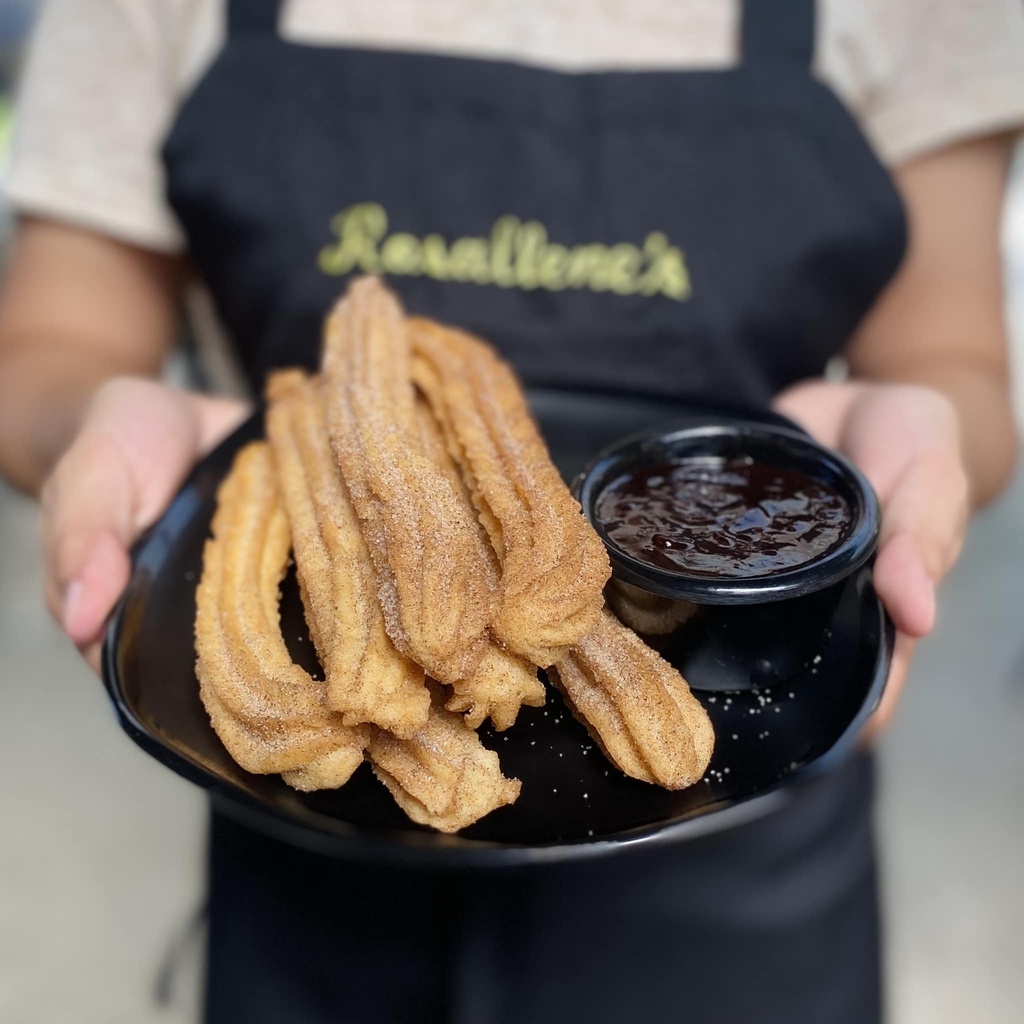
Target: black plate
<point>787,686</point>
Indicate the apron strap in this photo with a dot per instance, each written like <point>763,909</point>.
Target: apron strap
<point>773,30</point>
<point>252,16</point>
<point>779,31</point>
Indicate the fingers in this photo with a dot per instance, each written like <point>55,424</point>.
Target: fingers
<point>906,440</point>
<point>216,417</point>
<point>905,587</point>
<point>87,527</point>
<point>821,407</point>
<point>923,527</point>
<point>95,587</point>
<point>138,441</point>
<point>890,427</point>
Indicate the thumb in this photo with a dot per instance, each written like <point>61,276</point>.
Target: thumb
<point>87,529</point>
<point>94,588</point>
<point>923,522</point>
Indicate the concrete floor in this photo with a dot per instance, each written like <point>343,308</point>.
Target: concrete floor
<point>100,849</point>
<point>952,813</point>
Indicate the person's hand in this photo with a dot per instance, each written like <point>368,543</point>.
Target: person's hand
<point>138,440</point>
<point>906,441</point>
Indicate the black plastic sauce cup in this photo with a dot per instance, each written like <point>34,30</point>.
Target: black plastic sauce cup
<point>774,446</point>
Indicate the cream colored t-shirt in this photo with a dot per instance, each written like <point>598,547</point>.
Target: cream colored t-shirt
<point>105,78</point>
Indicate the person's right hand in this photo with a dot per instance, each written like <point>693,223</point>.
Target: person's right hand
<point>137,442</point>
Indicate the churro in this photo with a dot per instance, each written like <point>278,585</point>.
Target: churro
<point>647,613</point>
<point>442,776</point>
<point>433,540</point>
<point>636,705</point>
<point>368,681</point>
<point>436,591</point>
<point>270,714</point>
<point>502,681</point>
<point>553,565</point>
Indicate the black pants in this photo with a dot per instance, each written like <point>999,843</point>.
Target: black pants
<point>775,921</point>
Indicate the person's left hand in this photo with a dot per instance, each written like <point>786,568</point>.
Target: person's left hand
<point>906,441</point>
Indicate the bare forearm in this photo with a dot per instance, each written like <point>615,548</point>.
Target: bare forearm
<point>940,324</point>
<point>76,310</point>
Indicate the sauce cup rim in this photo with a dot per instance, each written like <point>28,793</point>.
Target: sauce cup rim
<point>790,448</point>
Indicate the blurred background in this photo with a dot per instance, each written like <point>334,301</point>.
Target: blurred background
<point>101,854</point>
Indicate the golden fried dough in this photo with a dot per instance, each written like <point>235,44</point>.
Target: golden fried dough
<point>433,540</point>
<point>637,707</point>
<point>496,689</point>
<point>443,776</point>
<point>553,564</point>
<point>502,682</point>
<point>269,713</point>
<point>436,592</point>
<point>647,613</point>
<point>329,771</point>
<point>367,679</point>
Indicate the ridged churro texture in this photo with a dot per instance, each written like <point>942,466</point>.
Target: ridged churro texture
<point>647,613</point>
<point>433,540</point>
<point>502,681</point>
<point>553,564</point>
<point>270,714</point>
<point>437,593</point>
<point>368,681</point>
<point>442,776</point>
<point>637,706</point>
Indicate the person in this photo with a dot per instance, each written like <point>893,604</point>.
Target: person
<point>656,199</point>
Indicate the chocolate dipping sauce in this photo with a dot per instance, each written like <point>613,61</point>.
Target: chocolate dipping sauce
<point>718,517</point>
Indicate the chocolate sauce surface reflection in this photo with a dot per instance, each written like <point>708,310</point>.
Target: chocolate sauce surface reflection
<point>718,517</point>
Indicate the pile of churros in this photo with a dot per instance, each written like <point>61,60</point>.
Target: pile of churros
<point>441,562</point>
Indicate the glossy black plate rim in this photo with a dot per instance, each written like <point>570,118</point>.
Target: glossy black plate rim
<point>427,849</point>
<point>430,850</point>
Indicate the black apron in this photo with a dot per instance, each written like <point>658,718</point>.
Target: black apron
<point>711,233</point>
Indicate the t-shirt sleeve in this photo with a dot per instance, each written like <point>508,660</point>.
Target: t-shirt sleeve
<point>922,74</point>
<point>95,101</point>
